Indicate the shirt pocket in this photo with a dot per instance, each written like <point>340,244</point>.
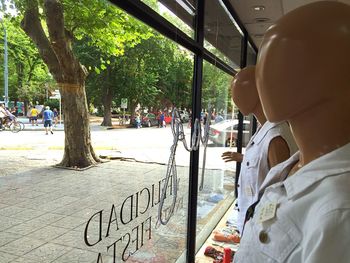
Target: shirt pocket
<point>250,178</point>
<point>276,238</point>
<point>252,163</point>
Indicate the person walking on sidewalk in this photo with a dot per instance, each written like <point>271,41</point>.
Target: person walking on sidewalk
<point>34,116</point>
<point>47,119</point>
<point>55,116</point>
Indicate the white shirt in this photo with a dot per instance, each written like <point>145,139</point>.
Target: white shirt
<point>311,223</point>
<point>255,165</point>
<point>2,112</point>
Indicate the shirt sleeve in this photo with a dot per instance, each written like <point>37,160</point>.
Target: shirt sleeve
<point>329,239</point>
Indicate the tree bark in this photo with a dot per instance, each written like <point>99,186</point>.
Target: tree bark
<point>20,78</point>
<point>70,76</point>
<point>78,151</point>
<point>107,105</point>
<point>107,99</point>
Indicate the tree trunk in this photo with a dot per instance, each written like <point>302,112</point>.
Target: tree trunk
<point>56,51</point>
<point>20,77</point>
<point>107,115</point>
<point>25,108</point>
<point>132,109</point>
<point>78,151</point>
<point>107,99</point>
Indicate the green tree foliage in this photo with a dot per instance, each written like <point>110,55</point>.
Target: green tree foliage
<point>28,75</point>
<point>155,73</point>
<point>124,58</point>
<point>216,88</point>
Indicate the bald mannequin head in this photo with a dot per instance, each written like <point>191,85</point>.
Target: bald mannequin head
<point>243,90</point>
<point>304,60</point>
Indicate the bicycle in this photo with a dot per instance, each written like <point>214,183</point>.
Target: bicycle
<point>13,125</point>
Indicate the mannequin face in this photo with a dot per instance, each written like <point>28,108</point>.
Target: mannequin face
<point>304,60</point>
<point>243,90</point>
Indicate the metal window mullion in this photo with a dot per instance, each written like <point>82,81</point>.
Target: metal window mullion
<point>243,63</point>
<point>217,62</point>
<point>194,156</point>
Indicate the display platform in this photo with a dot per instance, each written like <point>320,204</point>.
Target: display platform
<point>226,226</point>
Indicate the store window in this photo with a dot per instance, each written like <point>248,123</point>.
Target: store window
<point>109,213</point>
<point>216,178</point>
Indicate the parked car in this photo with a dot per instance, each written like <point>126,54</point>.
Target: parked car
<point>149,120</point>
<point>225,132</point>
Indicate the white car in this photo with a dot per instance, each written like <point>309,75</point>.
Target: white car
<point>225,132</point>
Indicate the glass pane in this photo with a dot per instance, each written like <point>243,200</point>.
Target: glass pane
<point>251,56</point>
<point>180,13</point>
<point>217,194</point>
<point>216,199</point>
<point>107,213</point>
<point>221,33</point>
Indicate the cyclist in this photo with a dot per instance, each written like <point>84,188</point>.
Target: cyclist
<point>3,115</point>
<point>9,116</point>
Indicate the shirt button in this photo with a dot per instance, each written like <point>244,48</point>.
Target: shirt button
<point>247,163</point>
<point>237,185</point>
<point>263,237</point>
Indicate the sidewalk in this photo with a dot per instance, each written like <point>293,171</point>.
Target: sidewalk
<point>45,213</point>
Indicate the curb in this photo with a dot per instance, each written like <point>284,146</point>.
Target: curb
<point>15,148</point>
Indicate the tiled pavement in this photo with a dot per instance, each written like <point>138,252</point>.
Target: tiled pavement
<point>45,211</point>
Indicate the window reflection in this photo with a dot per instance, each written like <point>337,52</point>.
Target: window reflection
<point>180,13</point>
<point>221,32</point>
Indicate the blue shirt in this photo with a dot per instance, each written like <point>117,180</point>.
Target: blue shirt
<point>48,115</point>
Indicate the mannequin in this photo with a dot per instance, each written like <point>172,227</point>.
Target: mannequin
<point>270,145</point>
<point>303,76</point>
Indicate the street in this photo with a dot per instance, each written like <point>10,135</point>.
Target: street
<point>145,144</point>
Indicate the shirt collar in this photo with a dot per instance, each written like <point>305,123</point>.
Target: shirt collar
<point>260,134</point>
<point>331,164</point>
<point>279,173</point>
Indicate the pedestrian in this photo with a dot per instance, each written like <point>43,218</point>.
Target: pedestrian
<point>55,116</point>
<point>138,120</point>
<point>34,116</point>
<point>205,118</point>
<point>47,119</point>
<point>189,119</point>
<point>162,119</point>
<point>158,118</point>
